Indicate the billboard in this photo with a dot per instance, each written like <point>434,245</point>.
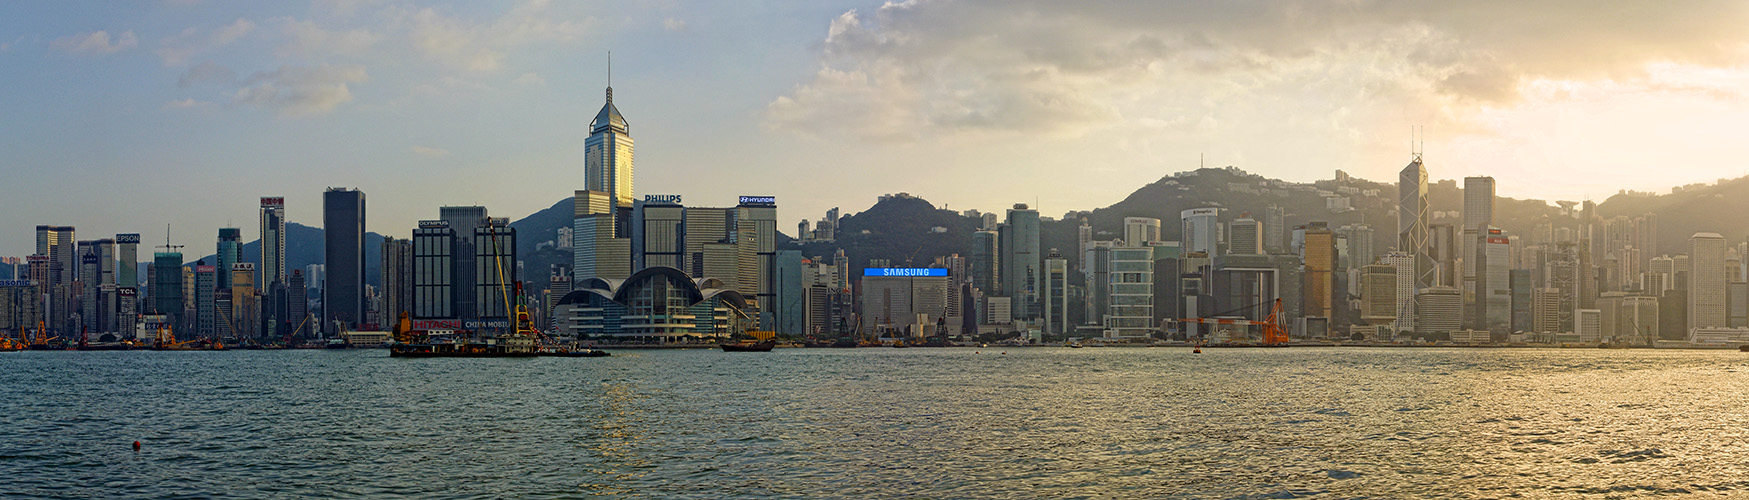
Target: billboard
<point>276,201</point>
<point>758,200</point>
<point>904,271</point>
<point>672,199</point>
<point>128,238</point>
<point>433,224</point>
<point>7,283</point>
<point>437,324</point>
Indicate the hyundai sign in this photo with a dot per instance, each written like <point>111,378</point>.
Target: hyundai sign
<point>904,271</point>
<point>758,200</point>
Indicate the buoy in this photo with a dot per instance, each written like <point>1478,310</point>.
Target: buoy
<point>136,446</point>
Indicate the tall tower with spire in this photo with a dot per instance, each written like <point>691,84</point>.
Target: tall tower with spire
<point>601,224</point>
<point>607,163</point>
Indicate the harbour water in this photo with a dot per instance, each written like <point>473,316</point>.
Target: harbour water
<point>879,423</point>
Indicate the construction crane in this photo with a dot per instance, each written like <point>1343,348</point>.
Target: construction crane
<point>1273,332</point>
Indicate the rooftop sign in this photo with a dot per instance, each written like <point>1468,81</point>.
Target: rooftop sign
<point>758,200</point>
<point>904,271</point>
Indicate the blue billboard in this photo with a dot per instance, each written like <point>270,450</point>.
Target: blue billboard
<point>904,271</point>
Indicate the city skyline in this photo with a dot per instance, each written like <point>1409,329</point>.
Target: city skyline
<point>188,114</point>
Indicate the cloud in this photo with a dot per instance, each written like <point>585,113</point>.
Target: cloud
<point>955,67</point>
<point>530,79</point>
<point>96,42</point>
<point>305,39</point>
<point>482,47</point>
<point>429,151</point>
<point>185,104</point>
<point>207,72</point>
<point>178,50</point>
<point>300,90</point>
<point>672,24</point>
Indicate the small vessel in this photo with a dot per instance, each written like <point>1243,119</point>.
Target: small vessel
<point>1074,345</point>
<point>765,346</point>
<point>1743,348</point>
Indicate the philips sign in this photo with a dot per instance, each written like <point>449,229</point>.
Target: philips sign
<point>672,199</point>
<point>904,271</point>
<point>758,200</point>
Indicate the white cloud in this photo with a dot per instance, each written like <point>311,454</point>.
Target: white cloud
<point>429,152</point>
<point>185,104</point>
<point>530,79</point>
<point>97,42</point>
<point>300,90</point>
<point>180,49</point>
<point>482,47</point>
<point>305,39</point>
<point>673,24</point>
<point>950,68</point>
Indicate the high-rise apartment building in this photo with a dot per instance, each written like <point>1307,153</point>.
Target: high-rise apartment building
<point>343,219</point>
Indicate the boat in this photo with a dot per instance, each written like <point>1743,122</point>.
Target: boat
<point>765,346</point>
<point>580,353</point>
<point>1074,345</point>
<point>1743,348</point>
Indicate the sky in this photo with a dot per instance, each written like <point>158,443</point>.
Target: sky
<point>120,117</point>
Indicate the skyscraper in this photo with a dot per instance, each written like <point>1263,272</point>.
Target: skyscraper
<point>1320,262</point>
<point>272,239</point>
<point>1478,216</point>
<point>1405,265</point>
<point>1412,222</point>
<point>127,254</point>
<point>230,251</point>
<point>494,269</point>
<point>607,156</point>
<point>1201,230</point>
<point>1021,263</point>
<point>1245,237</point>
<point>343,248</point>
<point>1706,283</point>
<point>434,249</point>
<point>986,262</point>
<point>166,289</point>
<point>397,279</point>
<point>1139,231</point>
<point>462,221</point>
<point>1056,294</point>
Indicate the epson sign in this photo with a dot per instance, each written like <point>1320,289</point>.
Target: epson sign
<point>128,238</point>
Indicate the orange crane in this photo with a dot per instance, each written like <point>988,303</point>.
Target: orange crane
<point>1273,332</point>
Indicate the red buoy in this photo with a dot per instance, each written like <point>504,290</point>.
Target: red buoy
<point>136,446</point>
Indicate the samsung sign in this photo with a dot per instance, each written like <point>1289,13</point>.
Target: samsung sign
<point>758,200</point>
<point>904,271</point>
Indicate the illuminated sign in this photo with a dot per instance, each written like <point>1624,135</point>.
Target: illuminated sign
<point>433,224</point>
<point>490,323</point>
<point>4,283</point>
<point>88,259</point>
<point>1499,241</point>
<point>107,288</point>
<point>277,201</point>
<point>243,266</point>
<point>437,324</point>
<point>662,198</point>
<point>204,269</point>
<point>36,258</point>
<point>904,271</point>
<point>498,221</point>
<point>128,238</point>
<point>129,291</point>
<point>758,200</point>
<point>1201,211</point>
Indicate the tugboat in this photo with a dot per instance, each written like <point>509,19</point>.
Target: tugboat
<point>765,346</point>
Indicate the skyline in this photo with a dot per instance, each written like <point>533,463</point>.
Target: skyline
<point>128,117</point>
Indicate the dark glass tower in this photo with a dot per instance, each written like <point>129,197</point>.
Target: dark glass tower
<point>343,249</point>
